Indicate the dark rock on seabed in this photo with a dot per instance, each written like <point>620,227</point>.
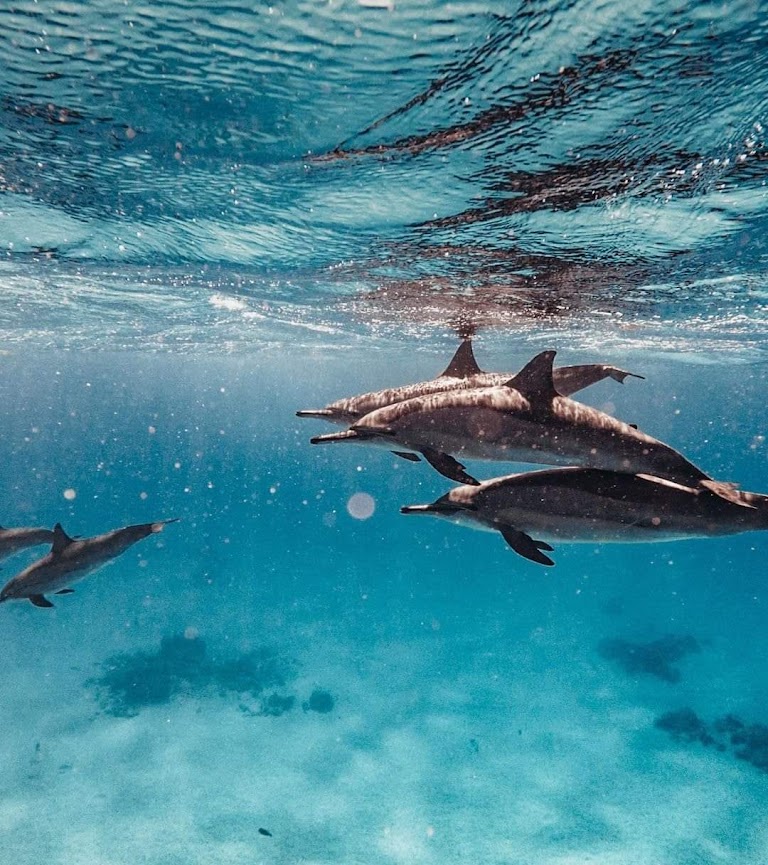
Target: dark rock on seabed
<point>650,659</point>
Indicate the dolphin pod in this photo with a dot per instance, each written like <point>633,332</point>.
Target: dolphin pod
<point>523,420</point>
<point>462,373</point>
<point>70,560</point>
<point>620,484</point>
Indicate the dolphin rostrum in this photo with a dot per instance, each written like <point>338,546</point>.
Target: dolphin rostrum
<point>70,560</point>
<point>523,420</point>
<point>13,540</point>
<point>462,373</point>
<point>594,505</point>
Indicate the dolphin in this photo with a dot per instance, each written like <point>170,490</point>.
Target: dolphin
<point>13,540</point>
<point>70,560</point>
<point>462,373</point>
<point>523,420</point>
<point>594,505</point>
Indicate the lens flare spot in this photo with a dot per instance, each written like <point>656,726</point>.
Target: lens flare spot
<point>361,506</point>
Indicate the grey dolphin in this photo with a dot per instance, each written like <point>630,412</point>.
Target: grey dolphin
<point>524,420</point>
<point>462,373</point>
<point>594,505</point>
<point>13,540</point>
<point>70,560</point>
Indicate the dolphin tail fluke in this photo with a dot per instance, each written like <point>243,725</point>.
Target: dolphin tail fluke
<point>448,467</point>
<point>726,491</point>
<point>315,412</point>
<point>525,546</point>
<point>620,374</point>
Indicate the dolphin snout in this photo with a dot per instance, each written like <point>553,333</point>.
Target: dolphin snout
<point>335,437</point>
<point>315,412</point>
<point>417,509</point>
<point>436,508</point>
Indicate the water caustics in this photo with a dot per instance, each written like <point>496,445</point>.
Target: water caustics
<point>318,171</point>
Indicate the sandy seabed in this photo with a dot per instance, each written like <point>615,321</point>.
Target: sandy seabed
<point>437,750</point>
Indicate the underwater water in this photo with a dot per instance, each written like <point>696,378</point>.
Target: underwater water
<point>214,216</point>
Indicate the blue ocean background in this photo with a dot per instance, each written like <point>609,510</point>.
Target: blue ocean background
<point>211,217</point>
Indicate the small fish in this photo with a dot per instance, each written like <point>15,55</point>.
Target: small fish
<point>594,505</point>
<point>70,560</point>
<point>265,832</point>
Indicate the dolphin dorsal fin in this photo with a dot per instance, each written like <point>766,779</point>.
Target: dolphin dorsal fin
<point>534,381</point>
<point>463,363</point>
<point>61,540</point>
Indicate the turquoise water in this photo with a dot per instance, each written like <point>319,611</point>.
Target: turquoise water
<point>213,217</point>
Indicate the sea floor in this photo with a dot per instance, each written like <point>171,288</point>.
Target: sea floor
<point>501,736</point>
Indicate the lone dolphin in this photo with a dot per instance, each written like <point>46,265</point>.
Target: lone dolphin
<point>13,540</point>
<point>524,420</point>
<point>594,505</point>
<point>462,373</point>
<point>70,560</point>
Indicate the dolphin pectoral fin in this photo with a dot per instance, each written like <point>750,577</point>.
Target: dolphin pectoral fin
<point>726,491</point>
<point>65,592</point>
<point>448,467</point>
<point>463,363</point>
<point>40,601</point>
<point>525,546</point>
<point>407,455</point>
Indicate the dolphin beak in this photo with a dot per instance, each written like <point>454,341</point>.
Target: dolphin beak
<point>315,412</point>
<point>417,509</point>
<point>348,434</point>
<point>371,431</point>
<point>437,507</point>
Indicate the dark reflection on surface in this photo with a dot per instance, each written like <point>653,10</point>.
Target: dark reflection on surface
<point>486,164</point>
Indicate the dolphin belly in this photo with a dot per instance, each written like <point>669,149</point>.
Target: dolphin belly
<point>556,515</point>
<point>49,580</point>
<point>487,434</point>
<point>574,435</point>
